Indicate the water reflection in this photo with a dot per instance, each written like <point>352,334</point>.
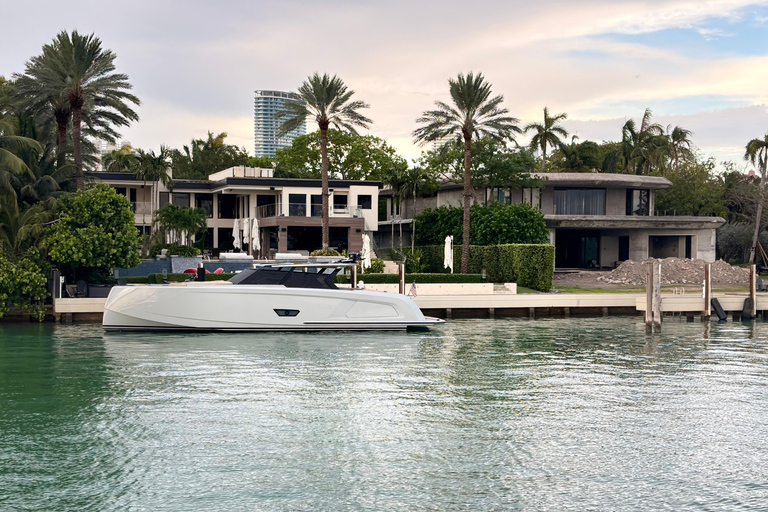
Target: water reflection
<point>480,415</point>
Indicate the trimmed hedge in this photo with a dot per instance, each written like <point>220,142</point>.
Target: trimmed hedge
<point>411,278</point>
<point>529,265</point>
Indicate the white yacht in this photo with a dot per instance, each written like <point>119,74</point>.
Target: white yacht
<point>267,298</point>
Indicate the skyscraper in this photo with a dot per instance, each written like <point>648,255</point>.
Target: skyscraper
<point>265,105</point>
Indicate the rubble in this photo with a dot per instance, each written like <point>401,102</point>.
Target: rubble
<point>677,271</point>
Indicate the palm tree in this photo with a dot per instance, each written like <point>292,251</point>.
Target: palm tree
<point>11,164</point>
<point>473,114</point>
<point>546,134</point>
<point>680,144</point>
<point>74,74</point>
<point>121,160</point>
<point>328,101</point>
<point>21,228</point>
<point>155,168</point>
<point>757,154</point>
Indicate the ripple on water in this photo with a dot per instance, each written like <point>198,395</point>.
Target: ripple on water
<point>581,414</point>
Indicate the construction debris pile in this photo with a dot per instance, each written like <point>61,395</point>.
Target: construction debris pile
<point>677,271</point>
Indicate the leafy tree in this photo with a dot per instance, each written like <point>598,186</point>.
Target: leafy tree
<point>493,164</point>
<point>328,101</point>
<point>695,190</point>
<point>76,75</point>
<point>262,162</point>
<point>756,152</point>
<point>576,157</point>
<point>203,157</point>
<point>680,145</point>
<point>546,134</point>
<point>350,157</point>
<point>94,232</point>
<point>474,114</point>
<point>181,224</point>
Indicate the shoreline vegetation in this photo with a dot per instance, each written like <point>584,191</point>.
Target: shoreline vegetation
<point>71,98</point>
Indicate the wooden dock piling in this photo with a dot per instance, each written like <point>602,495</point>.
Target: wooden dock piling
<point>707,311</point>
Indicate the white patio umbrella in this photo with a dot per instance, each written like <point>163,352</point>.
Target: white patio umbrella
<point>236,234</point>
<point>246,232</point>
<point>366,252</point>
<point>448,255</point>
<point>255,238</point>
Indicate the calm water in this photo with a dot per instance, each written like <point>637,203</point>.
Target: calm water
<point>580,414</point>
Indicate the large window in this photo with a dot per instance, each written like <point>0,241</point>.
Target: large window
<point>297,205</point>
<point>227,204</point>
<point>364,202</point>
<point>339,201</point>
<point>638,202</point>
<point>205,201</point>
<point>181,199</point>
<point>317,205</point>
<point>580,201</point>
<point>532,196</point>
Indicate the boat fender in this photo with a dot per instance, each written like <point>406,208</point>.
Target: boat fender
<point>746,311</point>
<point>718,309</point>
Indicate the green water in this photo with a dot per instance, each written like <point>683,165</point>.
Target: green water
<point>580,414</point>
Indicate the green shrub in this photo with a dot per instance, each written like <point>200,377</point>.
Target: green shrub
<point>325,252</point>
<point>23,285</point>
<point>417,278</point>
<point>494,224</point>
<point>174,250</point>
<point>529,265</point>
<point>377,267</point>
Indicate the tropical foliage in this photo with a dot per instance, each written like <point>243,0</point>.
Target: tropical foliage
<point>181,224</point>
<point>350,157</point>
<point>546,134</point>
<point>205,156</point>
<point>328,102</point>
<point>93,233</point>
<point>472,114</point>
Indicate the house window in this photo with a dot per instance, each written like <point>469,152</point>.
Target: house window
<point>120,190</point>
<point>382,209</point>
<point>164,198</point>
<point>638,202</point>
<point>532,197</point>
<point>181,199</point>
<point>579,201</point>
<point>364,202</point>
<point>205,201</point>
<point>339,201</point>
<point>500,195</point>
<point>227,207</point>
<point>297,205</point>
<point>317,205</point>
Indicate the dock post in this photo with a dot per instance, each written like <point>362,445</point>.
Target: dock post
<point>753,288</point>
<point>532,313</point>
<point>566,312</point>
<point>707,311</point>
<point>492,313</point>
<point>657,295</point>
<point>353,270</point>
<point>401,278</point>
<point>649,298</point>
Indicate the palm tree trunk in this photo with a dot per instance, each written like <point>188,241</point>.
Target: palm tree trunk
<point>467,197</point>
<point>324,170</point>
<point>758,216</point>
<point>79,181</point>
<point>62,119</point>
<point>543,157</point>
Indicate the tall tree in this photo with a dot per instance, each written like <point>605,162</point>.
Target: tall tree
<point>154,167</point>
<point>680,145</point>
<point>350,157</point>
<point>546,134</point>
<point>757,154</point>
<point>205,156</point>
<point>474,113</point>
<point>328,101</point>
<point>75,73</point>
<point>121,160</point>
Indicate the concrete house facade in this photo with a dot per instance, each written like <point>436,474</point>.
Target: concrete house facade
<point>288,210</point>
<point>594,219</point>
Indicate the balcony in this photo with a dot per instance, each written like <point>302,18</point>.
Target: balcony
<point>300,210</point>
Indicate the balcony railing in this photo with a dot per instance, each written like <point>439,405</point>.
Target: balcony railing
<point>141,208</point>
<point>300,210</point>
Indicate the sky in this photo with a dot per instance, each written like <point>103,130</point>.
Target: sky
<point>195,65</point>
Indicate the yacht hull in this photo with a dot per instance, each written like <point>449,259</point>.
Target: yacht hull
<point>219,307</point>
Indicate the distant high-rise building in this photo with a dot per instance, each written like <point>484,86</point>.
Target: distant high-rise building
<point>265,105</point>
